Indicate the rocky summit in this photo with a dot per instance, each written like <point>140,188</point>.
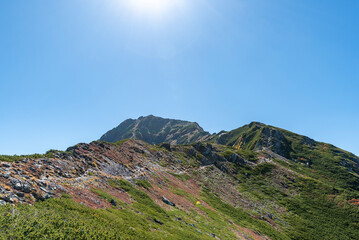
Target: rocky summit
<point>155,130</point>
<point>156,178</point>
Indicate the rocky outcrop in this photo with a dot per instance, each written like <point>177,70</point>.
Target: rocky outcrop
<point>155,130</point>
<point>257,136</point>
<point>274,140</point>
<point>32,180</point>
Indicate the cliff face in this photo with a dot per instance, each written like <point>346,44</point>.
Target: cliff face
<point>155,130</point>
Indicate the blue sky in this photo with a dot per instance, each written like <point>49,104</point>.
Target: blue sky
<point>73,69</point>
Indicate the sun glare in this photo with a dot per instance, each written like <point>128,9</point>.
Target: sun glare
<point>155,8</point>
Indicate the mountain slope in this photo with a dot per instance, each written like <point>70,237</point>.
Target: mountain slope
<point>255,182</point>
<point>155,130</point>
<point>337,165</point>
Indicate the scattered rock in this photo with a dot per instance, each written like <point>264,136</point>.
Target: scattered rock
<point>168,202</point>
<point>20,194</point>
<point>8,198</point>
<point>40,197</point>
<point>158,221</point>
<point>5,175</point>
<point>159,154</point>
<point>5,165</point>
<point>309,163</point>
<point>113,202</point>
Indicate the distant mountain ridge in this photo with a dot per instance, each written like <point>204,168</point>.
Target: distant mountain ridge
<point>255,136</point>
<point>155,130</point>
<point>254,182</point>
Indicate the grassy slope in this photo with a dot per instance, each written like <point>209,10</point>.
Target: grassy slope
<point>311,214</point>
<point>315,202</point>
<point>65,219</point>
<point>314,210</point>
<point>326,160</point>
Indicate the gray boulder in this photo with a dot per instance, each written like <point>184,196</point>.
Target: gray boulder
<point>168,202</point>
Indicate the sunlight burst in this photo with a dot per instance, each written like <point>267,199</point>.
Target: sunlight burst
<point>151,7</point>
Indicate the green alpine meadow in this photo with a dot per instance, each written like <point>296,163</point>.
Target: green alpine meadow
<point>160,178</point>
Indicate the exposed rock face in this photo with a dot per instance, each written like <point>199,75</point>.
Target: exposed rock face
<point>274,140</point>
<point>86,165</point>
<point>257,136</point>
<point>40,179</point>
<point>155,130</point>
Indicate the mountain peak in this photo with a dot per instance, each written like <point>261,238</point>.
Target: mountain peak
<point>155,130</point>
<point>259,124</point>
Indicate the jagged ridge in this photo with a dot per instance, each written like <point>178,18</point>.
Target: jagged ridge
<point>155,130</point>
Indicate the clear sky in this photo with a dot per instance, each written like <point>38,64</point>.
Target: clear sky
<point>72,69</point>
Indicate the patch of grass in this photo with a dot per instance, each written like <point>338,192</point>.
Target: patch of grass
<point>66,195</point>
<point>262,169</point>
<point>177,228</point>
<point>316,216</point>
<point>240,217</point>
<point>248,155</point>
<point>245,153</point>
<point>69,220</point>
<point>13,158</point>
<point>101,193</point>
<point>179,192</point>
<point>311,213</point>
<point>8,158</point>
<point>119,143</point>
<point>143,200</point>
<point>143,183</point>
<point>183,193</point>
<point>182,177</point>
<point>227,153</point>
